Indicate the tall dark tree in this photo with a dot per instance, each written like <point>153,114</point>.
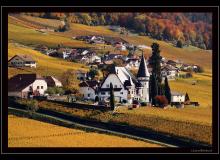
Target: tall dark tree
<point>155,61</point>
<point>167,91</point>
<point>112,97</point>
<point>187,97</point>
<point>153,88</point>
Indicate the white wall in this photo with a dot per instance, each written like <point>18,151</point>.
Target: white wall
<point>178,98</point>
<point>112,78</point>
<point>87,90</point>
<point>37,83</point>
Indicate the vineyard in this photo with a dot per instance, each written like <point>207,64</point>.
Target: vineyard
<point>23,132</point>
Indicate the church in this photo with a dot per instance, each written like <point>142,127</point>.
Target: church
<point>127,87</point>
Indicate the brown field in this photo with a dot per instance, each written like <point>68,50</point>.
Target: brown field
<point>23,132</point>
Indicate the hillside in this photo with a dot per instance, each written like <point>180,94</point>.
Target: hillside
<point>189,28</point>
<point>45,65</point>
<point>25,34</point>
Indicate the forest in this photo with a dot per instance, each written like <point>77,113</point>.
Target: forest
<point>181,29</point>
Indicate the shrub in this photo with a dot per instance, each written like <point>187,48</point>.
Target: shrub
<point>143,103</point>
<point>124,101</point>
<point>199,69</point>
<point>31,105</point>
<point>189,75</point>
<point>55,90</point>
<point>161,101</point>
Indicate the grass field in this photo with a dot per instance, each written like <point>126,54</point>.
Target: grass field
<point>46,65</point>
<point>23,132</point>
<point>188,122</point>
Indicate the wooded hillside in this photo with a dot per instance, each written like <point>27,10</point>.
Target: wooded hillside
<point>179,28</point>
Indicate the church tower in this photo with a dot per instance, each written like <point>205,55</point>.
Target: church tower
<point>143,77</point>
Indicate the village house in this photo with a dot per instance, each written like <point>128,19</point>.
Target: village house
<point>169,71</point>
<point>52,81</point>
<point>111,56</point>
<point>177,98</point>
<point>22,61</point>
<point>132,63</point>
<point>120,46</point>
<point>89,89</point>
<point>42,48</point>
<point>64,52</point>
<point>81,75</point>
<point>25,85</point>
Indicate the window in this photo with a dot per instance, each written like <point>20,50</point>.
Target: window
<point>88,88</point>
<point>128,92</point>
<point>38,87</point>
<point>121,92</point>
<point>115,86</point>
<point>102,93</point>
<point>88,95</point>
<point>42,87</point>
<point>107,85</point>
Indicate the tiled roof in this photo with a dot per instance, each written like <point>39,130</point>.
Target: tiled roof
<point>21,81</point>
<point>25,58</point>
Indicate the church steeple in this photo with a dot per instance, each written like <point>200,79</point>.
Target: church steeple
<point>143,71</point>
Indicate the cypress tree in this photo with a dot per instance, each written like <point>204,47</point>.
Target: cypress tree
<point>112,97</point>
<point>153,89</point>
<point>155,61</point>
<point>167,90</point>
<point>187,97</point>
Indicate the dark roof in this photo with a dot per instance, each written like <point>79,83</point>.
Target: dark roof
<point>25,58</point>
<point>138,84</point>
<point>127,83</point>
<point>108,89</point>
<point>20,81</point>
<point>142,71</point>
<point>93,84</point>
<point>50,81</point>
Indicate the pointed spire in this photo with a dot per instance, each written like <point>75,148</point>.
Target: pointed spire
<point>143,71</point>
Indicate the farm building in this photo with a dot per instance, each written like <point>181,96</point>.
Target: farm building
<point>25,85</point>
<point>52,81</point>
<point>22,61</point>
<point>177,97</point>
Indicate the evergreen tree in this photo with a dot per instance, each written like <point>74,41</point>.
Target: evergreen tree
<point>112,97</point>
<point>187,97</point>
<point>179,44</point>
<point>167,90</point>
<point>153,89</point>
<point>155,61</point>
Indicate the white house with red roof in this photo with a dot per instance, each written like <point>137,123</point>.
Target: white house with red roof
<point>24,85</point>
